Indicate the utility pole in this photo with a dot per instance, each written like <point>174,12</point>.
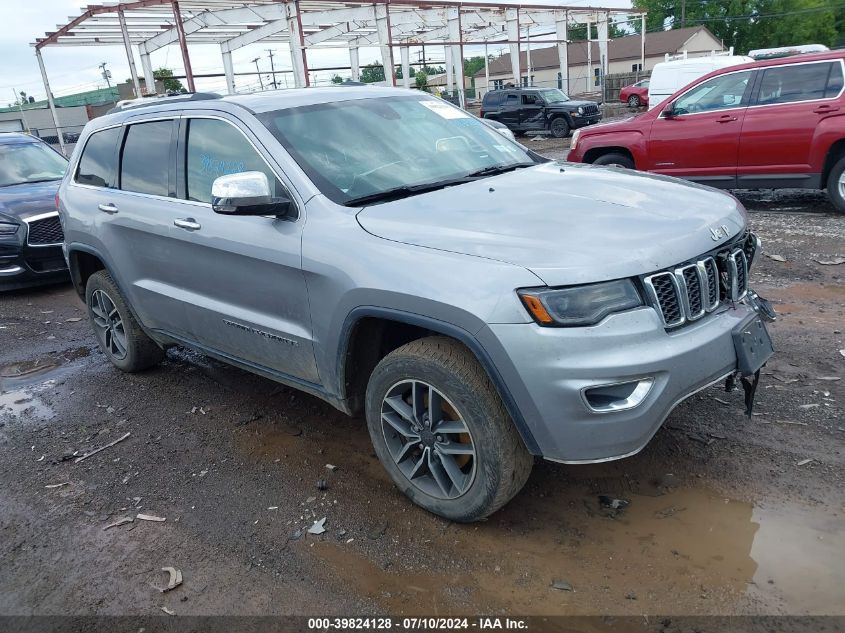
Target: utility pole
<point>106,74</point>
<point>272,68</point>
<point>683,13</point>
<point>260,81</point>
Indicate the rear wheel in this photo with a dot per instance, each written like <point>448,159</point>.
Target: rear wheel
<point>614,159</point>
<point>836,185</point>
<point>634,101</point>
<point>441,431</point>
<point>120,337</point>
<point>559,127</point>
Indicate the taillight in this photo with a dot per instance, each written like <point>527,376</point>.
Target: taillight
<point>481,114</point>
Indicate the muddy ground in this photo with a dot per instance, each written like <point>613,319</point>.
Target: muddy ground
<point>727,515</point>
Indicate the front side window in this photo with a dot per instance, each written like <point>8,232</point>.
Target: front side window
<point>798,82</point>
<point>531,99</point>
<point>145,160</point>
<point>725,91</point>
<point>216,148</point>
<point>22,163</point>
<point>363,147</point>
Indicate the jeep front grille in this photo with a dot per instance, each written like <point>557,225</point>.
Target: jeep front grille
<point>45,231</point>
<point>693,289</point>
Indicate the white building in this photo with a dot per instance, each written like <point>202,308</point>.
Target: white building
<point>624,56</point>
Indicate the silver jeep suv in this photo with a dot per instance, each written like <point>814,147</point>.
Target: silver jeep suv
<point>391,254</point>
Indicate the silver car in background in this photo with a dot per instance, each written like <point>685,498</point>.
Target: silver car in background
<point>389,253</point>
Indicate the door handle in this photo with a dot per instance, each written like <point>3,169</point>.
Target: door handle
<point>107,208</point>
<point>822,109</point>
<point>727,118</point>
<point>188,224</point>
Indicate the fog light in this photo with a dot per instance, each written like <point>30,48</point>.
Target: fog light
<point>618,396</point>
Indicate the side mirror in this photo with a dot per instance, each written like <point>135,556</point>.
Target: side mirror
<point>247,193</point>
<point>669,111</point>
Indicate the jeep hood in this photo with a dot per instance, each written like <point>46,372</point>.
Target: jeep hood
<point>567,223</point>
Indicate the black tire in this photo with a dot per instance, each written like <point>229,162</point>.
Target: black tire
<point>500,463</point>
<point>518,133</point>
<point>615,159</point>
<point>559,127</point>
<point>634,101</point>
<point>836,185</point>
<point>136,351</point>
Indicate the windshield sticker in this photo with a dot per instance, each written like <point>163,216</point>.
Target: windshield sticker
<point>445,110</point>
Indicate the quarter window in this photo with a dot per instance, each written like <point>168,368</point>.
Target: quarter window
<point>145,161</point>
<point>216,148</point>
<point>725,91</point>
<point>96,164</point>
<point>797,82</point>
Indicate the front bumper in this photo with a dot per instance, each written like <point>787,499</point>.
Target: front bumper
<point>584,121</point>
<point>22,265</point>
<point>547,371</point>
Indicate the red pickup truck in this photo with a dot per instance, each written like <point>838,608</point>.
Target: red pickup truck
<point>771,124</point>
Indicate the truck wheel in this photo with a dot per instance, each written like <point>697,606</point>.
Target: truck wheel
<point>836,185</point>
<point>559,127</point>
<point>441,431</point>
<point>120,337</point>
<point>634,101</point>
<point>614,159</point>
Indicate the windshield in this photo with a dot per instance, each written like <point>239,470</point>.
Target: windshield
<point>554,96</point>
<point>29,162</point>
<point>366,147</point>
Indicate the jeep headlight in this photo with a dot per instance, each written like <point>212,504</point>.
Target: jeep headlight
<point>7,228</point>
<point>580,110</point>
<point>579,305</point>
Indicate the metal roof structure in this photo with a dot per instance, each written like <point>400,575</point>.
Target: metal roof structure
<point>149,25</point>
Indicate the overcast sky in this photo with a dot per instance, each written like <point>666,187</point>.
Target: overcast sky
<point>74,69</point>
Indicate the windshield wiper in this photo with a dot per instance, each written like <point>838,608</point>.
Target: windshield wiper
<point>403,192</point>
<point>492,170</point>
<point>406,191</point>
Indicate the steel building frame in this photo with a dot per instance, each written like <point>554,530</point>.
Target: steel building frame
<point>150,25</point>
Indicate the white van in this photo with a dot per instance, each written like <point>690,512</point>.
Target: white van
<point>675,73</point>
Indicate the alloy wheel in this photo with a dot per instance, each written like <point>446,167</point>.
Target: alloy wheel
<point>108,324</point>
<point>842,185</point>
<point>428,440</point>
<point>634,101</point>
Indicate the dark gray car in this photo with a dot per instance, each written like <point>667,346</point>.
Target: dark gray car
<point>526,110</point>
<point>394,256</point>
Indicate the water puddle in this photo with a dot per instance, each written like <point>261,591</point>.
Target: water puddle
<point>686,552</point>
<point>22,381</point>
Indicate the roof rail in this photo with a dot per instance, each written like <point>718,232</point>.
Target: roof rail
<point>131,104</point>
<point>698,54</point>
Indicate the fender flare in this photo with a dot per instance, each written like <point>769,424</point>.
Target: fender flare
<point>447,329</point>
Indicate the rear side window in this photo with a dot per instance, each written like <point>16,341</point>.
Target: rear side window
<point>492,99</point>
<point>96,163</point>
<point>145,161</point>
<point>798,82</point>
<point>513,98</point>
<point>216,148</point>
<point>835,82</point>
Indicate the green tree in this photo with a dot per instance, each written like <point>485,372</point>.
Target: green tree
<point>399,72</point>
<point>165,75</point>
<point>372,73</point>
<point>421,80</point>
<point>750,24</point>
<point>473,64</point>
<point>337,79</point>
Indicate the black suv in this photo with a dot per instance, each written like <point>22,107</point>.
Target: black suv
<point>535,109</point>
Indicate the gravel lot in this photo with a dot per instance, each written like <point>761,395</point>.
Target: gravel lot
<point>726,514</point>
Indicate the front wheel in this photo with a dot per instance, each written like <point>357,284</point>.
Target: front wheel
<point>441,431</point>
<point>614,159</point>
<point>836,185</point>
<point>634,101</point>
<point>559,127</point>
